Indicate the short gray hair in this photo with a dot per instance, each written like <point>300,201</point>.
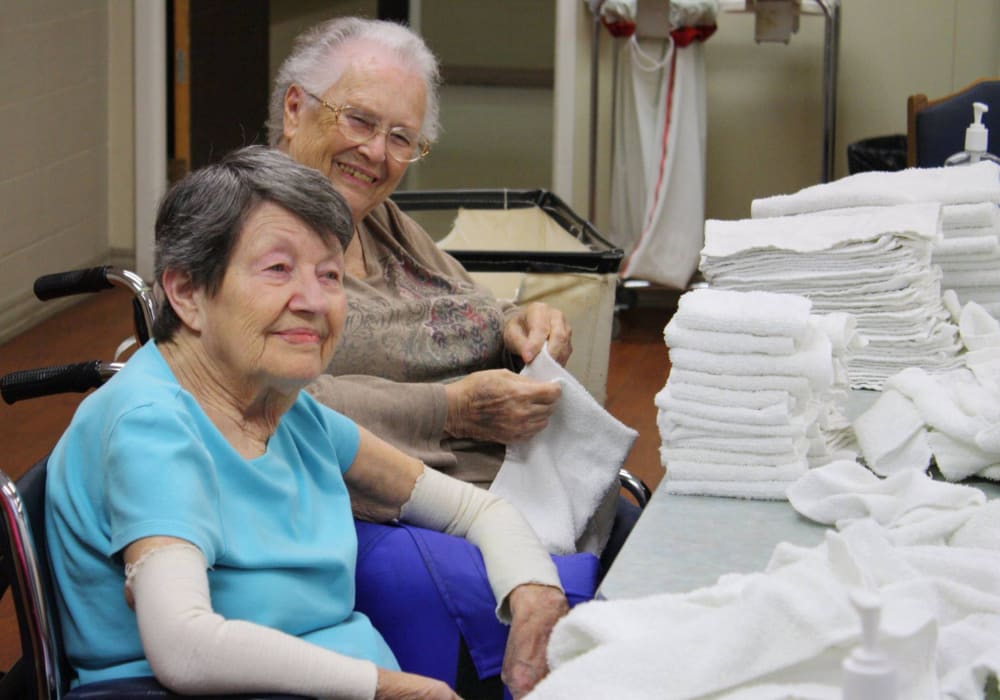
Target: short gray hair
<point>316,63</point>
<point>200,219</point>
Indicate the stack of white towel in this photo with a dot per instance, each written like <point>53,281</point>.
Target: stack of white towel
<point>954,417</point>
<point>969,253</point>
<point>871,262</point>
<point>930,550</point>
<point>756,392</point>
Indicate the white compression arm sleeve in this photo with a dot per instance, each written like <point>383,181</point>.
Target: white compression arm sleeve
<point>194,650</point>
<point>511,550</point>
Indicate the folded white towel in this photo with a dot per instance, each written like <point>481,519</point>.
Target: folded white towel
<point>969,215</point>
<point>775,414</point>
<point>795,386</point>
<point>757,313</point>
<point>754,490</point>
<point>970,232</point>
<point>717,396</point>
<point>679,470</point>
<point>967,185</point>
<point>813,361</point>
<point>963,248</point>
<point>770,446</point>
<point>715,455</point>
<point>810,233</point>
<point>677,336</point>
<point>559,477</point>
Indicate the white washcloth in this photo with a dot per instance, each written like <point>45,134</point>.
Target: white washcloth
<point>677,336</point>
<point>891,435</point>
<point>810,233</point>
<point>796,386</point>
<point>966,185</point>
<point>757,313</point>
<point>969,215</point>
<point>964,248</point>
<point>718,396</point>
<point>812,361</point>
<point>559,477</point>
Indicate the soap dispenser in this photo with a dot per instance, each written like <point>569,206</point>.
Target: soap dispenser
<point>976,140</point>
<point>868,673</point>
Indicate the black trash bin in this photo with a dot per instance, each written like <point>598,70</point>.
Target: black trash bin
<point>877,153</point>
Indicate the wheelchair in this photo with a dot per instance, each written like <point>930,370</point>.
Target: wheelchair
<point>42,671</point>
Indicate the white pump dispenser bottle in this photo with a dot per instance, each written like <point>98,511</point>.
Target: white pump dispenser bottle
<point>868,673</point>
<point>976,140</point>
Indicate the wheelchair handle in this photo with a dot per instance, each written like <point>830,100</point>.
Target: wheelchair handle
<point>62,379</point>
<point>94,279</point>
<point>64,284</point>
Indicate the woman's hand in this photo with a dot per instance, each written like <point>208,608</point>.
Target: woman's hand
<point>526,332</point>
<point>396,685</point>
<point>534,611</point>
<point>497,405</point>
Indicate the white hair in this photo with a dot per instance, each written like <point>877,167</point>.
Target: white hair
<point>316,63</point>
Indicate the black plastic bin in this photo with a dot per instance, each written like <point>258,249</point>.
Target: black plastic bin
<point>602,258</point>
<point>877,153</point>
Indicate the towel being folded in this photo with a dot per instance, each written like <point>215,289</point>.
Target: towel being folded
<point>559,477</point>
<point>967,185</point>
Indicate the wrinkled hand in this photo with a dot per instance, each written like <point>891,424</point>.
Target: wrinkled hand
<point>527,331</point>
<point>535,610</point>
<point>499,406</point>
<point>396,685</point>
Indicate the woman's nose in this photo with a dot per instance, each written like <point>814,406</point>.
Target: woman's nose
<point>374,149</point>
<point>309,295</point>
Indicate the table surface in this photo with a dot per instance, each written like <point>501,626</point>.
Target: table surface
<point>685,542</point>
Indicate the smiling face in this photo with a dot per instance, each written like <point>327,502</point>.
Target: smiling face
<point>380,86</point>
<point>276,318</point>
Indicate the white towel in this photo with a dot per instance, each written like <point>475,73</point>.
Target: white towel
<point>810,233</point>
<point>969,215</point>
<point>978,328</point>
<point>718,396</point>
<point>795,386</point>
<point>558,478</point>
<point>966,185</point>
<point>964,248</point>
<point>678,470</point>
<point>677,336</point>
<point>813,361</point>
<point>776,414</point>
<point>891,435</point>
<point>784,632</point>
<point>758,313</point>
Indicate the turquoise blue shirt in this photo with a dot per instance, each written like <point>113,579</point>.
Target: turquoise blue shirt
<point>141,458</point>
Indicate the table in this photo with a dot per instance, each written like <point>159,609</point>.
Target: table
<point>685,542</point>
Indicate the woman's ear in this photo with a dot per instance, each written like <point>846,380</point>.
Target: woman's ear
<point>294,103</point>
<point>184,297</point>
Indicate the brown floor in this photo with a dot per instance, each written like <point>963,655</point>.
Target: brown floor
<point>92,329</point>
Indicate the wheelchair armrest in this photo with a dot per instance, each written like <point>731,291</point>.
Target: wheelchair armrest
<point>635,486</point>
<point>148,688</point>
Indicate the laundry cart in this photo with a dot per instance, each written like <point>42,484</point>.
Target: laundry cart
<point>525,246</point>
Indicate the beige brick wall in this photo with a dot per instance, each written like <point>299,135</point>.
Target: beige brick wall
<point>54,141</point>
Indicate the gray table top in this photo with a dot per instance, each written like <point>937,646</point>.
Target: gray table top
<point>681,543</point>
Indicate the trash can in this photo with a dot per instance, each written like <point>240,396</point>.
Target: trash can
<point>877,153</point>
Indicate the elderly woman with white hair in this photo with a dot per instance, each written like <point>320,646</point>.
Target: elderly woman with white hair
<point>200,506</point>
<point>426,361</point>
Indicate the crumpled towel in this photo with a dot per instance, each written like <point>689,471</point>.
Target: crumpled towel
<point>769,635</point>
<point>559,477</point>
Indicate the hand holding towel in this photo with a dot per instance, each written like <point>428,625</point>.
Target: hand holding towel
<point>558,478</point>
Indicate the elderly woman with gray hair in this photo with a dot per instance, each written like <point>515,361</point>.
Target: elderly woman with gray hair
<point>426,361</point>
<point>199,505</point>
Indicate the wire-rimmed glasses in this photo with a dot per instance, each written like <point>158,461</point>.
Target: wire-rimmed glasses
<point>403,145</point>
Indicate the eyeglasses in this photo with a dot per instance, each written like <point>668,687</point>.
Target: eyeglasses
<point>403,145</point>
